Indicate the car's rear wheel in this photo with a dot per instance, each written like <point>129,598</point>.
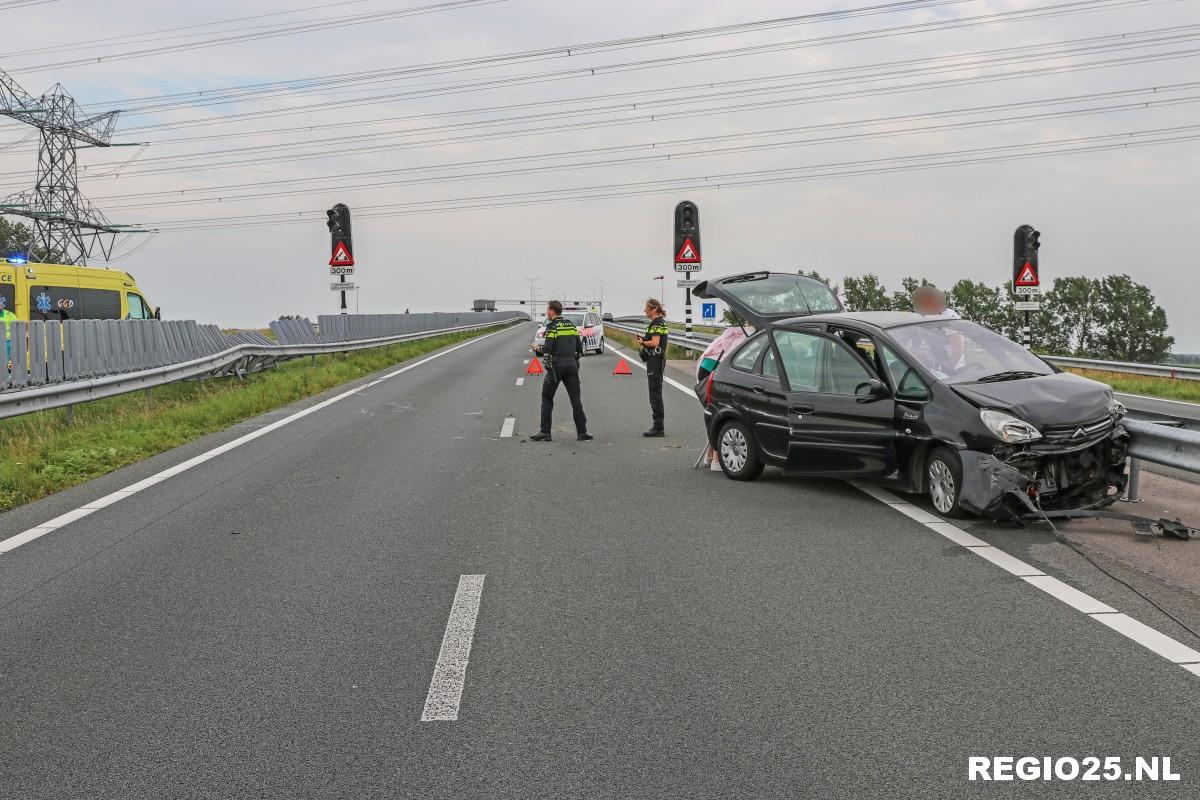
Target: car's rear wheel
<point>943,480</point>
<point>738,452</point>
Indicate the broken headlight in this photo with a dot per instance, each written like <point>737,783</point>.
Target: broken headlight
<point>1008,428</point>
<point>1117,409</point>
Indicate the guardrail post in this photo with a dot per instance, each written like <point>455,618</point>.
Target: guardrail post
<point>70,416</point>
<point>1132,485</point>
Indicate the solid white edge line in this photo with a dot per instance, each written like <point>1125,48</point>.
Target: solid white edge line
<point>28,535</point>
<point>450,671</point>
<point>1069,594</point>
<point>506,430</point>
<point>1149,638</point>
<point>1171,649</point>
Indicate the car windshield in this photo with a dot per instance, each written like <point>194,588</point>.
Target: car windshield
<point>576,319</point>
<point>957,351</point>
<point>793,295</point>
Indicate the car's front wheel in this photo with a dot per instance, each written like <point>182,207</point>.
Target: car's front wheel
<point>738,452</point>
<point>943,479</point>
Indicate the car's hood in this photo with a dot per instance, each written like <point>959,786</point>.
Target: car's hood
<point>1058,399</point>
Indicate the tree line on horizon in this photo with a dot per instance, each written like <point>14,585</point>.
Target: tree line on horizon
<point>1113,317</point>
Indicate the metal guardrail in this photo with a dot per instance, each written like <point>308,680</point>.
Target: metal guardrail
<point>696,344</point>
<point>1164,444</point>
<point>1127,367</point>
<point>1155,370</point>
<point>45,386</point>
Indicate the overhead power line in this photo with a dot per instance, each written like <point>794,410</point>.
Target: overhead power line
<point>557,51</point>
<point>336,146</point>
<point>943,159</point>
<point>1059,9</point>
<point>273,33</point>
<point>658,152</point>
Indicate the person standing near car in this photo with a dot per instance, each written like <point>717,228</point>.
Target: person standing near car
<point>654,353</point>
<point>560,352</point>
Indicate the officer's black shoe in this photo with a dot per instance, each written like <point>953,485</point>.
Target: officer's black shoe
<point>655,432</point>
<point>585,437</point>
<point>540,437</point>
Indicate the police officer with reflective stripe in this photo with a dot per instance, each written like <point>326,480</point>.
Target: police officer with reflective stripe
<point>561,353</point>
<point>654,353</point>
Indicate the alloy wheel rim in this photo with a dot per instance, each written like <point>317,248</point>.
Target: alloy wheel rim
<point>733,450</point>
<point>941,486</point>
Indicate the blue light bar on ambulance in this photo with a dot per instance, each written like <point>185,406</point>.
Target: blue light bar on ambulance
<point>17,260</point>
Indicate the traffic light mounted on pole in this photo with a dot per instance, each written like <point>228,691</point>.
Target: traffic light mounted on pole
<point>687,252</point>
<point>341,243</point>
<point>1026,279</point>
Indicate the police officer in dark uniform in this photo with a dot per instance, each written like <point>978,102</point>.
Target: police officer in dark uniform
<point>654,353</point>
<point>561,353</point>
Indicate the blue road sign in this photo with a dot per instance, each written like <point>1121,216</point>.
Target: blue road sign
<point>708,310</point>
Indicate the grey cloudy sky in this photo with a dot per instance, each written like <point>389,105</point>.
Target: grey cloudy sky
<point>931,87</point>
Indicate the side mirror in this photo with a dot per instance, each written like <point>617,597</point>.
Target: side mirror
<point>870,390</point>
<point>158,312</point>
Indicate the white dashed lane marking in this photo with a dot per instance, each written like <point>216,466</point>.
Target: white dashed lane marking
<point>506,431</point>
<point>450,671</point>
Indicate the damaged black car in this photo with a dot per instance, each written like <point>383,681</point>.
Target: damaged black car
<point>919,404</point>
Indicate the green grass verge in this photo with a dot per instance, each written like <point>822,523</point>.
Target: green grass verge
<point>626,340</point>
<point>679,326</point>
<point>1167,388</point>
<point>40,454</point>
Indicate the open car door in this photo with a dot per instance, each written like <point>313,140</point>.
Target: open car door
<point>842,419</point>
<point>761,297</point>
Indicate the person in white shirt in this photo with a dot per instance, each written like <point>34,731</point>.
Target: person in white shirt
<point>930,301</point>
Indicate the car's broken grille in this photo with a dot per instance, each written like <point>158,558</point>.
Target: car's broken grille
<point>1078,433</point>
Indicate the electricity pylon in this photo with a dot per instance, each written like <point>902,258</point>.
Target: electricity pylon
<point>66,227</point>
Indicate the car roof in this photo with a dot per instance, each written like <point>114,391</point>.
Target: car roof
<point>877,319</point>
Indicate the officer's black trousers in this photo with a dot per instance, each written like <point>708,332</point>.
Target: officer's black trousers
<point>566,372</point>
<point>654,379</point>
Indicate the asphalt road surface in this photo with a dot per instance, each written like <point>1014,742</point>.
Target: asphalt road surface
<point>290,618</point>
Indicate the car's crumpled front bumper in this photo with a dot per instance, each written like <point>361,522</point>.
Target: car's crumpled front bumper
<point>1015,483</point>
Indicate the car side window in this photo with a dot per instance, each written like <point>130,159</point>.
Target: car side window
<point>843,373</point>
<point>770,369</point>
<point>800,354</point>
<point>137,307</point>
<point>748,355</point>
<point>819,364</point>
<point>908,383</point>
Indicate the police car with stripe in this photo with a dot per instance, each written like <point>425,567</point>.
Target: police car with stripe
<point>589,323</point>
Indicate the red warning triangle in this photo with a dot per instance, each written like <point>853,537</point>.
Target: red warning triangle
<point>1027,277</point>
<point>535,367</point>
<point>688,253</point>
<point>622,368</point>
<point>341,256</point>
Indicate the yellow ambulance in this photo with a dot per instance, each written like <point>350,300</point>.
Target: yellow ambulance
<point>60,292</point>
